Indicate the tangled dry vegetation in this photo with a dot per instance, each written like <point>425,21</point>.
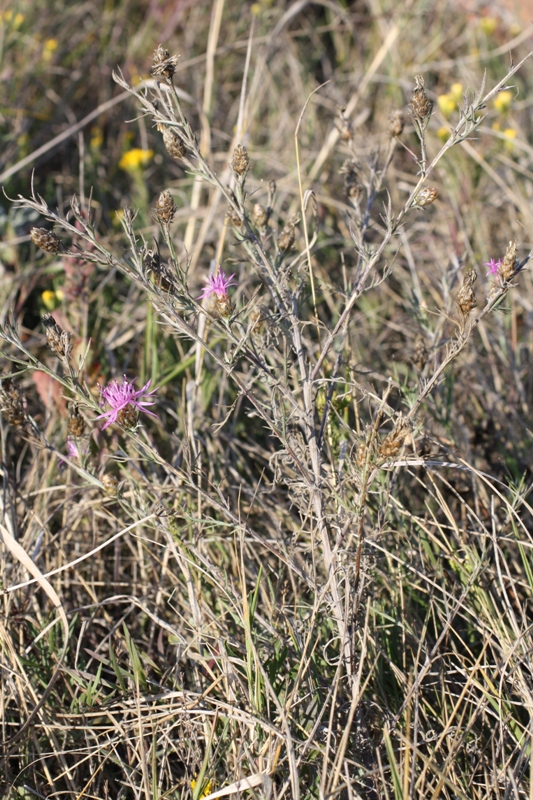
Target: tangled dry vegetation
<point>266,411</point>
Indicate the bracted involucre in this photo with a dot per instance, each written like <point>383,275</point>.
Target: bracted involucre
<point>163,64</point>
<point>46,240</point>
<point>240,160</point>
<point>421,106</point>
<point>509,262</point>
<point>165,209</point>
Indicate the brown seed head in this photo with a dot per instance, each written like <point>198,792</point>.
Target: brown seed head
<point>240,160</point>
<point>421,106</point>
<point>396,123</point>
<point>110,484</point>
<point>259,216</point>
<point>353,187</point>
<point>344,126</point>
<point>426,196</point>
<point>392,443</point>
<point>420,352</point>
<point>165,209</point>
<point>509,263</point>
<point>76,423</point>
<point>287,237</point>
<point>59,341</point>
<point>163,64</point>
<point>466,297</point>
<point>173,144</point>
<point>46,240</point>
<point>12,403</point>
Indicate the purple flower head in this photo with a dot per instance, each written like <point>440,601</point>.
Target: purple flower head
<point>73,451</point>
<point>217,284</point>
<point>493,266</point>
<point>119,395</point>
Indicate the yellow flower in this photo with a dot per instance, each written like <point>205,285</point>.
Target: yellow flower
<point>207,790</point>
<point>17,19</point>
<point>446,105</point>
<point>443,133</point>
<point>97,138</point>
<point>488,25</point>
<point>49,299</point>
<point>135,158</point>
<point>510,135</point>
<point>49,47</point>
<point>457,92</point>
<point>502,101</point>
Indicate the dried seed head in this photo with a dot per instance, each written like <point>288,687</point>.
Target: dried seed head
<point>259,216</point>
<point>46,240</point>
<point>165,209</point>
<point>393,441</point>
<point>420,352</point>
<point>509,262</point>
<point>159,273</point>
<point>128,417</point>
<point>240,160</point>
<point>76,423</point>
<point>426,197</point>
<point>466,297</point>
<point>287,236</point>
<point>163,64</point>
<point>396,123</point>
<point>59,341</point>
<point>12,403</point>
<point>361,454</point>
<point>110,484</point>
<point>344,126</point>
<point>353,187</point>
<point>173,144</point>
<point>421,106</point>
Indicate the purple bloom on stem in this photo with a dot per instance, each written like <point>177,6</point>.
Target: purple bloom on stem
<point>120,395</point>
<point>493,266</point>
<point>73,451</point>
<point>217,284</point>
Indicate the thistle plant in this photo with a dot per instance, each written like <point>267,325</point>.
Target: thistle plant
<point>315,438</point>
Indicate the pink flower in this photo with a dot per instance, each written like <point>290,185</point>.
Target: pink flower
<point>217,284</point>
<point>73,451</point>
<point>493,266</point>
<point>121,395</point>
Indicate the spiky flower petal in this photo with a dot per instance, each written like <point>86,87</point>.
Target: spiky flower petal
<point>119,395</point>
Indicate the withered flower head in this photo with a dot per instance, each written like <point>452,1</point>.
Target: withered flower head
<point>240,160</point>
<point>421,106</point>
<point>393,441</point>
<point>426,196</point>
<point>173,144</point>
<point>110,484</point>
<point>352,185</point>
<point>59,341</point>
<point>288,235</point>
<point>396,123</point>
<point>165,209</point>
<point>46,240</point>
<point>344,126</point>
<point>76,423</point>
<point>259,216</point>
<point>466,297</point>
<point>12,403</point>
<point>509,262</point>
<point>163,64</point>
